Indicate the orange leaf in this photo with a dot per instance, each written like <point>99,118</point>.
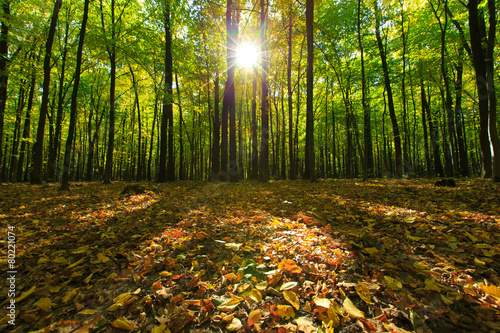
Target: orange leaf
<point>254,317</point>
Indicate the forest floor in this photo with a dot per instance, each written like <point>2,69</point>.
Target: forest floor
<point>287,256</point>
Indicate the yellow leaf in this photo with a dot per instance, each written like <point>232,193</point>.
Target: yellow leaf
<point>255,295</point>
<point>289,285</point>
<point>471,237</point>
<point>286,312</point>
<point>420,265</point>
<point>87,279</point>
<point>322,302</point>
<point>229,305</point>
<point>430,284</point>
<point>393,283</point>
<point>363,292</point>
<point>44,304</point>
<point>81,249</point>
<point>491,290</point>
<point>43,260</point>
<point>479,262</point>
<point>234,325</point>
<point>25,294</point>
<point>352,310</point>
<point>165,273</point>
<point>292,298</point>
<point>60,260</point>
<point>446,300</point>
<point>121,298</point>
<point>76,263</point>
<point>161,329</point>
<point>102,258</point>
<point>373,251</point>
<point>87,312</point>
<point>254,317</point>
<point>124,324</point>
<point>333,319</point>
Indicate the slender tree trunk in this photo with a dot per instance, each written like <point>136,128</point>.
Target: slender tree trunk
<point>477,31</point>
<point>255,147</point>
<point>74,99</point>
<point>54,149</point>
<point>166,169</point>
<point>36,175</point>
<point>216,136</point>
<point>310,167</point>
<point>26,129</point>
<point>264,142</point>
<point>392,113</point>
<point>4,73</point>
<point>108,169</point>
<point>233,163</point>
<point>464,161</point>
<point>368,165</point>
<point>292,174</point>
<point>150,157</point>
<point>425,108</point>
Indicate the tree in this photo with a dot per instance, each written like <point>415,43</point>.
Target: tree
<point>166,171</point>
<point>264,140</point>
<point>482,46</point>
<point>387,81</point>
<point>310,166</point>
<point>74,99</point>
<point>36,175</point>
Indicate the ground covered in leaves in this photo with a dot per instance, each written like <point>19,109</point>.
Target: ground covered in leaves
<point>287,256</point>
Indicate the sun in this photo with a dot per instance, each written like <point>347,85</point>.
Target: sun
<point>247,55</point>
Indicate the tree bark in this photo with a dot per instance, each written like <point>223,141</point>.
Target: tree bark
<point>264,142</point>
<point>392,113</point>
<point>4,74</point>
<point>292,174</point>
<point>310,165</point>
<point>36,175</point>
<point>74,99</point>
<point>108,169</point>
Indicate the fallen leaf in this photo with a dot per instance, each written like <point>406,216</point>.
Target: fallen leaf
<point>234,325</point>
<point>286,312</point>
<point>124,324</point>
<point>254,317</point>
<point>352,310</point>
<point>363,292</point>
<point>292,298</point>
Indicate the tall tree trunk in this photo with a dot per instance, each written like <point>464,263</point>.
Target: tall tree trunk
<point>26,128</point>
<point>108,169</point>
<point>216,136</point>
<point>166,169</point>
<point>392,113</point>
<point>264,142</point>
<point>54,149</point>
<point>368,160</point>
<point>74,99</point>
<point>492,99</point>
<point>310,167</point>
<point>231,99</point>
<point>464,161</point>
<point>140,167</point>
<point>255,147</point>
<point>36,175</point>
<point>425,108</point>
<point>181,143</point>
<point>477,31</point>
<point>150,156</point>
<point>292,174</point>
<point>4,73</point>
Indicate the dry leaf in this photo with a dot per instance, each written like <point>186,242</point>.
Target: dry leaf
<point>352,310</point>
<point>292,298</point>
<point>124,324</point>
<point>254,317</point>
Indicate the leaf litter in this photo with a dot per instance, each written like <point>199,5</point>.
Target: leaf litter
<point>334,256</point>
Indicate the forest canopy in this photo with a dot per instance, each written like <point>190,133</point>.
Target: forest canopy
<point>230,90</point>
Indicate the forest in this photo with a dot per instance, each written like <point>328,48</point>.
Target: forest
<point>272,166</point>
<point>174,90</point>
